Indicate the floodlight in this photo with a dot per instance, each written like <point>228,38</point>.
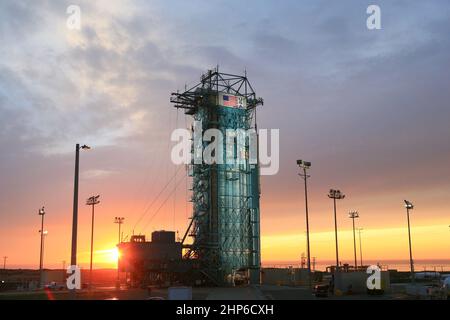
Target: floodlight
<point>408,205</point>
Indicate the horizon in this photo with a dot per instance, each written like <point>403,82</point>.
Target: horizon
<point>369,109</point>
<point>428,263</point>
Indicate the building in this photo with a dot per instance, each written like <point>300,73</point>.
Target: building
<point>158,261</point>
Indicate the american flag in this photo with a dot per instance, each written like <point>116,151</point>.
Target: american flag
<point>229,101</point>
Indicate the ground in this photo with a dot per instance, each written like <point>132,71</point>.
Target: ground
<point>264,292</point>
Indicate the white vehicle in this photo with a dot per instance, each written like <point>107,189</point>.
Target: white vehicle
<point>446,286</point>
<point>54,286</point>
<point>427,275</point>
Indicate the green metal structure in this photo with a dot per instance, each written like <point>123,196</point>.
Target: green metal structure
<point>225,224</point>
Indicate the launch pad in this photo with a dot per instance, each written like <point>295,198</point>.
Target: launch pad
<point>222,241</point>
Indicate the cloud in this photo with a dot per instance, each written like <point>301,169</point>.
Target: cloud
<point>97,174</point>
<point>368,108</point>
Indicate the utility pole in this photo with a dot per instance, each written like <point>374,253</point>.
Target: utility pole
<point>119,221</point>
<point>92,201</point>
<point>410,206</point>
<point>360,246</point>
<point>336,195</point>
<point>302,260</point>
<point>41,212</point>
<point>353,215</point>
<point>64,271</point>
<point>4,262</point>
<point>306,165</point>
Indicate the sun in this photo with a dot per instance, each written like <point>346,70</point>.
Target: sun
<point>115,254</point>
<point>108,256</point>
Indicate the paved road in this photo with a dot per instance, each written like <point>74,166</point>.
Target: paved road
<point>273,292</point>
<point>286,293</point>
<point>236,293</point>
<point>263,292</point>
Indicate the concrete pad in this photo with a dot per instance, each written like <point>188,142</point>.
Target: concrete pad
<point>235,293</point>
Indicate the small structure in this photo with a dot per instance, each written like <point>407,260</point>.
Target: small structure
<point>284,276</point>
<point>356,282</point>
<point>158,261</point>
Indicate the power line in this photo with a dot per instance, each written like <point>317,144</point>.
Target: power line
<point>162,204</point>
<point>175,186</point>
<point>156,198</point>
<point>145,207</point>
<point>166,170</point>
<point>147,176</point>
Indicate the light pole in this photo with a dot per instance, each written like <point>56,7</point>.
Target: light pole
<point>119,221</point>
<point>410,206</point>
<point>336,195</point>
<point>45,233</point>
<point>306,165</point>
<point>360,246</point>
<point>92,201</point>
<point>4,262</point>
<point>73,256</point>
<point>354,215</point>
<point>41,212</point>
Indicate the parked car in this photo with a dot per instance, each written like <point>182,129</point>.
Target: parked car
<point>435,291</point>
<point>446,286</point>
<point>375,292</point>
<point>321,290</point>
<point>54,286</point>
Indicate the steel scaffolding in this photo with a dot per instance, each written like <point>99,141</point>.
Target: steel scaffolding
<point>225,223</point>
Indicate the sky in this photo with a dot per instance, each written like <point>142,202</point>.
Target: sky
<point>369,108</point>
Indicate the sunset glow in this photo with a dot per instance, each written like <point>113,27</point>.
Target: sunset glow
<point>367,109</point>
